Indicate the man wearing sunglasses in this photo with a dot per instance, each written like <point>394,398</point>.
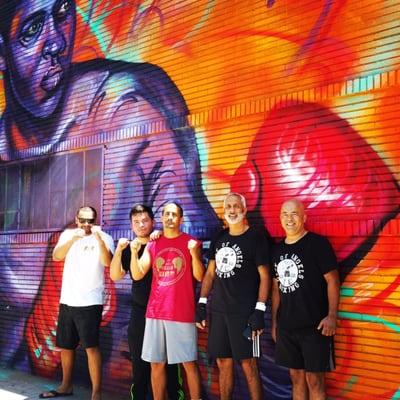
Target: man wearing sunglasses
<point>85,250</point>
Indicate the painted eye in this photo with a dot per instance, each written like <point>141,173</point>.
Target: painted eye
<point>30,31</point>
<point>63,10</point>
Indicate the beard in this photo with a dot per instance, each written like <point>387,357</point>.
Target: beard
<point>238,218</point>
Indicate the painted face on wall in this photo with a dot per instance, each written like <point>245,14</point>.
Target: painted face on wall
<point>37,53</point>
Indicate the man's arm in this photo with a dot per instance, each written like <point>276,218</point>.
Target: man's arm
<point>116,270</point>
<point>205,290</point>
<point>197,264</point>
<point>328,324</point>
<point>105,253</point>
<point>265,283</point>
<point>61,250</point>
<point>275,297</point>
<point>139,268</point>
<point>256,319</point>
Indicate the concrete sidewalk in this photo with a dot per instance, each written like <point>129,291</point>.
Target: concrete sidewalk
<point>16,385</point>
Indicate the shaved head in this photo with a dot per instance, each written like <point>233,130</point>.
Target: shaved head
<point>295,203</point>
<point>293,218</point>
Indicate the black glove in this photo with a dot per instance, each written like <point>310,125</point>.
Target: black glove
<point>256,320</point>
<point>201,312</point>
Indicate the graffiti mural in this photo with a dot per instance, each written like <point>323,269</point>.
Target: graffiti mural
<point>114,102</point>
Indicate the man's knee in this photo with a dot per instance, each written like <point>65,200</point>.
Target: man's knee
<point>157,366</point>
<point>92,351</point>
<point>224,364</point>
<point>316,381</point>
<point>298,376</point>
<point>249,366</point>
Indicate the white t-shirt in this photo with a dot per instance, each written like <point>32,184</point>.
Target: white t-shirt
<point>83,275</point>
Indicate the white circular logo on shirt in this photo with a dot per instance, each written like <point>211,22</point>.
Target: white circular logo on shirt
<point>290,271</point>
<point>287,271</point>
<point>227,259</point>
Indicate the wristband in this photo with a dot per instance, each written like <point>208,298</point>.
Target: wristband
<point>260,306</point>
<point>203,300</point>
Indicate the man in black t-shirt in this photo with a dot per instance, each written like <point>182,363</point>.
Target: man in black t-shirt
<point>239,278</point>
<point>305,297</point>
<point>142,223</point>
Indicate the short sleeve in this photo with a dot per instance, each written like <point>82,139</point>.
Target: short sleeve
<point>273,260</point>
<point>262,250</point>
<point>325,255</point>
<point>65,236</point>
<point>214,240</point>
<point>108,240</point>
<point>151,248</point>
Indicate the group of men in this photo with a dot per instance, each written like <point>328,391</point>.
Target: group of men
<point>164,268</point>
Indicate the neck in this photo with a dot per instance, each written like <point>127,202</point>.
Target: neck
<point>296,238</point>
<point>238,229</point>
<point>171,233</point>
<point>143,240</point>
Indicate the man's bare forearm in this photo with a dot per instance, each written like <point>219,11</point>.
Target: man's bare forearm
<point>61,251</point>
<point>116,270</point>
<point>265,283</point>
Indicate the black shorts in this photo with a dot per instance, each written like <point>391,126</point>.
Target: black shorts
<point>304,349</point>
<point>78,325</point>
<point>225,337</point>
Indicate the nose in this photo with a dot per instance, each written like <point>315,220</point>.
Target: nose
<point>55,41</point>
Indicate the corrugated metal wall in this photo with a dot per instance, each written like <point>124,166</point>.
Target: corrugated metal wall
<point>275,99</point>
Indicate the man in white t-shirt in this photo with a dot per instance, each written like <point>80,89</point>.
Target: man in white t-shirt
<point>85,250</point>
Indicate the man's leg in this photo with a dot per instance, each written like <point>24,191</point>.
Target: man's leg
<point>158,380</point>
<point>316,385</point>
<point>141,370</point>
<point>193,379</point>
<point>94,364</point>
<point>67,365</point>
<point>225,366</point>
<point>299,384</point>
<point>250,370</point>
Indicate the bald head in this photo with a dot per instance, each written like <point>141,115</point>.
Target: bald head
<point>293,218</point>
<point>293,204</point>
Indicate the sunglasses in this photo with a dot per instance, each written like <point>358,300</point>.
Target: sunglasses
<point>84,220</point>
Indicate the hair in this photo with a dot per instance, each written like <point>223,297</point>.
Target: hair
<point>176,204</point>
<point>139,209</point>
<point>241,197</point>
<point>7,12</point>
<point>87,208</point>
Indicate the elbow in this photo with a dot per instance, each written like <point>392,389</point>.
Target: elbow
<point>199,276</point>
<point>56,257</point>
<point>114,276</point>
<point>137,277</point>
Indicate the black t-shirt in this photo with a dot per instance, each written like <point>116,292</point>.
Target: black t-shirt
<point>140,288</point>
<point>237,258</point>
<point>300,268</point>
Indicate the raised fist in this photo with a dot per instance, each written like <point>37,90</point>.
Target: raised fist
<point>122,243</point>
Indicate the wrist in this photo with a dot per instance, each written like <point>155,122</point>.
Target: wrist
<point>260,306</point>
<point>203,300</point>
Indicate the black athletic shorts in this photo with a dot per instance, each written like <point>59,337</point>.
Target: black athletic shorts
<point>225,337</point>
<point>78,325</point>
<point>304,349</point>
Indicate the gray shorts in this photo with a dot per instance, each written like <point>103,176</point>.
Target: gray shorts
<point>169,341</point>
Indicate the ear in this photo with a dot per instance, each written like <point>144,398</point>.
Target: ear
<point>2,53</point>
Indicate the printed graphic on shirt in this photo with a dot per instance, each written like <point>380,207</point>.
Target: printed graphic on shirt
<point>170,266</point>
<point>227,259</point>
<point>290,271</point>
